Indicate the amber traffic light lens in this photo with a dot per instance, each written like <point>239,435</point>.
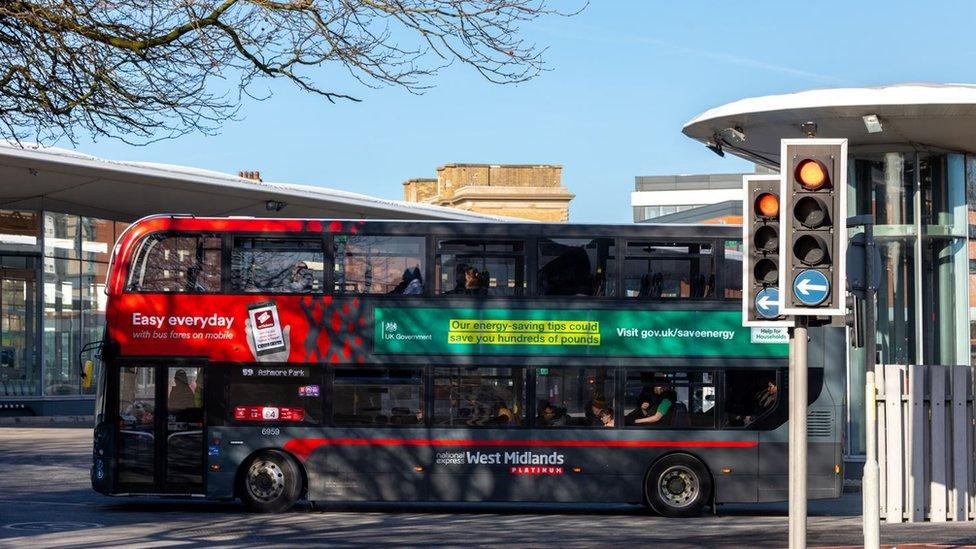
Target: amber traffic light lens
<point>811,174</point>
<point>767,205</point>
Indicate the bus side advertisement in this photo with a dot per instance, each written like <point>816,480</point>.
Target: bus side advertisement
<point>344,330</point>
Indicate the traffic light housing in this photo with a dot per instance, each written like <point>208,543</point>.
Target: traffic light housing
<point>855,320</point>
<point>761,227</point>
<point>813,188</point>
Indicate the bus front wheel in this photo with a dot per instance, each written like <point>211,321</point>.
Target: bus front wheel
<point>678,485</point>
<point>270,483</point>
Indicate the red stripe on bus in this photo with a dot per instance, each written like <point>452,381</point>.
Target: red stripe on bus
<point>303,447</point>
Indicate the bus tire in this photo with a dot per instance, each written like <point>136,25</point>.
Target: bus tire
<point>270,482</point>
<point>678,485</point>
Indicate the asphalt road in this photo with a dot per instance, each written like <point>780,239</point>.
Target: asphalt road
<point>45,501</point>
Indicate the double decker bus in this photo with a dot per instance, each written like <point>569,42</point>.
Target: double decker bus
<point>276,360</point>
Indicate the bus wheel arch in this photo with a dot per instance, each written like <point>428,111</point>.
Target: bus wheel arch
<point>678,484</point>
<point>270,480</point>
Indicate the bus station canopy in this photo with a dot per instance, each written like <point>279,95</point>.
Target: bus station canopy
<point>43,178</point>
<point>917,116</point>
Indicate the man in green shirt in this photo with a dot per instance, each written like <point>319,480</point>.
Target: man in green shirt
<point>654,407</point>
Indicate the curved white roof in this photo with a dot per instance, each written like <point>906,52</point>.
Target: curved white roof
<point>938,116</point>
<point>58,179</point>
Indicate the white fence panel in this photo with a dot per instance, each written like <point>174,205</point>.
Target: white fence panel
<point>926,443</point>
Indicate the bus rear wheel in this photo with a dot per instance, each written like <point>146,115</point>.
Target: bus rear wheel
<point>678,485</point>
<point>270,483</point>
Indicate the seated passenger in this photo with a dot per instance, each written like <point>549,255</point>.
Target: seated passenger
<point>606,417</point>
<point>460,279</point>
<point>180,394</point>
<point>475,283</point>
<point>501,416</point>
<point>301,278</point>
<point>643,410</point>
<point>764,401</point>
<point>654,407</point>
<point>592,412</point>
<point>415,286</point>
<point>552,416</point>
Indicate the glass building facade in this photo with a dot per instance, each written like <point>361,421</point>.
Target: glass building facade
<point>52,276</point>
<point>924,207</point>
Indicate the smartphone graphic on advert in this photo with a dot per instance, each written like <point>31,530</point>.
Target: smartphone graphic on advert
<point>265,328</point>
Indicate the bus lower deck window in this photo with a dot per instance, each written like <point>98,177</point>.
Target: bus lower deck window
<point>474,396</point>
<point>573,397</point>
<point>378,396</point>
<point>655,398</point>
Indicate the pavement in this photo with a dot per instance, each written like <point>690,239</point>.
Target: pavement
<point>46,501</point>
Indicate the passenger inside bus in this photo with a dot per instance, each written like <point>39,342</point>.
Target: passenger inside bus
<point>551,415</point>
<point>748,398</point>
<point>567,274</point>
<point>139,413</point>
<point>592,410</point>
<point>502,416</point>
<point>411,284</point>
<point>180,395</point>
<point>655,406</point>
<point>469,281</point>
<point>301,278</point>
<point>764,401</point>
<point>606,417</point>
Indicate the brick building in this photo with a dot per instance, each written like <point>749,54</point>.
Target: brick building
<point>524,191</point>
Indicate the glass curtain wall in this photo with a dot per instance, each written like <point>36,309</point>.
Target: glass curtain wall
<point>20,372</point>
<point>918,202</point>
<point>75,258</point>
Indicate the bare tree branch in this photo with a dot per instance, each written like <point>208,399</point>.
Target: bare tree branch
<point>144,70</point>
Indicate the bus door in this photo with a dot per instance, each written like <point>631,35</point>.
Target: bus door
<point>160,438</point>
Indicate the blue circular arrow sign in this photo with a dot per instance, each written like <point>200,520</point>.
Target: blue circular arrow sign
<point>767,303</point>
<point>811,287</point>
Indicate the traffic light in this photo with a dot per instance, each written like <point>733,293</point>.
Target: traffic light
<point>761,215</point>
<point>814,194</point>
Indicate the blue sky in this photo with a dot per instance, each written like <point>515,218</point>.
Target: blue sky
<point>625,76</point>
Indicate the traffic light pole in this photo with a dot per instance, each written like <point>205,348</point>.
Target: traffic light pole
<point>798,434</point>
<point>871,481</point>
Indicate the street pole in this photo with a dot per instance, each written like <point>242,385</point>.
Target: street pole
<point>798,434</point>
<point>870,482</point>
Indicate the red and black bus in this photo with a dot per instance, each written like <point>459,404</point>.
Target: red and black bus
<point>274,360</point>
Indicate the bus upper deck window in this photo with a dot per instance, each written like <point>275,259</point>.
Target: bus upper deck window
<point>733,269</point>
<point>663,270</point>
<point>366,264</point>
<point>480,267</point>
<point>176,263</point>
<point>278,265</point>
<point>577,266</point>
